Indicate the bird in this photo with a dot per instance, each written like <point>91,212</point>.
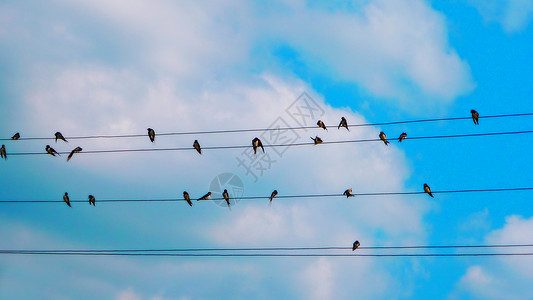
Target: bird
<point>151,134</point>
<point>205,197</point>
<point>256,143</point>
<point>343,123</point>
<point>187,198</point>
<point>317,140</point>
<point>59,136</point>
<point>92,200</point>
<point>321,124</point>
<point>348,193</point>
<point>226,196</point>
<point>475,116</point>
<point>356,245</point>
<point>427,190</point>
<point>3,153</point>
<point>402,137</point>
<point>76,150</point>
<point>274,194</point>
<point>196,146</point>
<point>16,136</point>
<point>66,199</point>
<point>51,150</point>
<point>383,137</point>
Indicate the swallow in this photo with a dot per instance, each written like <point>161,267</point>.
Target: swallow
<point>196,146</point>
<point>321,124</point>
<point>151,134</point>
<point>356,245</point>
<point>3,153</point>
<point>343,123</point>
<point>16,136</point>
<point>205,197</point>
<point>348,193</point>
<point>256,143</point>
<point>76,150</point>
<point>383,137</point>
<point>51,151</point>
<point>273,195</point>
<point>427,190</point>
<point>92,200</point>
<point>226,196</point>
<point>402,137</point>
<point>66,199</point>
<point>475,116</point>
<point>59,136</point>
<point>317,140</point>
<point>187,198</point>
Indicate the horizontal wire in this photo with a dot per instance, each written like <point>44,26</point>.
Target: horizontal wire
<point>282,145</point>
<point>268,129</point>
<point>281,196</point>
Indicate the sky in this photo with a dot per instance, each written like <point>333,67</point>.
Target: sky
<point>93,67</point>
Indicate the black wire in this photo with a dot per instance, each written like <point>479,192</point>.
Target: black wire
<point>267,129</point>
<point>284,145</point>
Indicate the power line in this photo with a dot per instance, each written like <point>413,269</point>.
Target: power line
<point>281,145</point>
<point>281,196</point>
<point>268,129</point>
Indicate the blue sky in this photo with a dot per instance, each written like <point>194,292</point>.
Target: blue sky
<point>89,67</point>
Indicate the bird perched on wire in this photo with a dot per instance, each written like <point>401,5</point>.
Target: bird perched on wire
<point>3,153</point>
<point>343,123</point>
<point>59,136</point>
<point>475,116</point>
<point>321,124</point>
<point>187,198</point>
<point>205,197</point>
<point>402,137</point>
<point>383,137</point>
<point>16,136</point>
<point>66,199</point>
<point>348,193</point>
<point>51,151</point>
<point>317,140</point>
<point>256,143</point>
<point>151,134</point>
<point>427,190</point>
<point>226,196</point>
<point>273,195</point>
<point>196,146</point>
<point>92,200</point>
<point>355,245</point>
<point>76,150</point>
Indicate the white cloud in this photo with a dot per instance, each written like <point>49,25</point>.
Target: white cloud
<point>514,15</point>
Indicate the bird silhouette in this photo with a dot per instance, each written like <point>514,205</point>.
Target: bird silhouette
<point>427,190</point>
<point>16,136</point>
<point>151,134</point>
<point>356,245</point>
<point>226,196</point>
<point>76,150</point>
<point>348,193</point>
<point>475,116</point>
<point>402,137</point>
<point>92,200</point>
<point>343,123</point>
<point>196,146</point>
<point>321,124</point>
<point>59,136</point>
<point>66,199</point>
<point>3,153</point>
<point>51,151</point>
<point>273,195</point>
<point>256,143</point>
<point>317,140</point>
<point>205,197</point>
<point>383,137</point>
<point>187,198</point>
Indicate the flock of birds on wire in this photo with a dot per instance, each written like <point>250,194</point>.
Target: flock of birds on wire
<point>256,143</point>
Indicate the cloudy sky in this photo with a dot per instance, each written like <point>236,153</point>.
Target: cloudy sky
<point>93,67</point>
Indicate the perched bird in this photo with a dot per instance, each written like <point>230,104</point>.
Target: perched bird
<point>226,196</point>
<point>475,116</point>
<point>76,150</point>
<point>274,194</point>
<point>92,200</point>
<point>317,140</point>
<point>151,134</point>
<point>356,245</point>
<point>196,146</point>
<point>348,193</point>
<point>427,190</point>
<point>3,153</point>
<point>16,136</point>
<point>343,123</point>
<point>402,137</point>
<point>383,137</point>
<point>321,124</point>
<point>205,197</point>
<point>59,136</point>
<point>51,150</point>
<point>187,198</point>
<point>66,199</point>
<point>256,143</point>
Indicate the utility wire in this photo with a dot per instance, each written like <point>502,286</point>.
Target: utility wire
<point>283,145</point>
<point>281,196</point>
<point>268,129</point>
